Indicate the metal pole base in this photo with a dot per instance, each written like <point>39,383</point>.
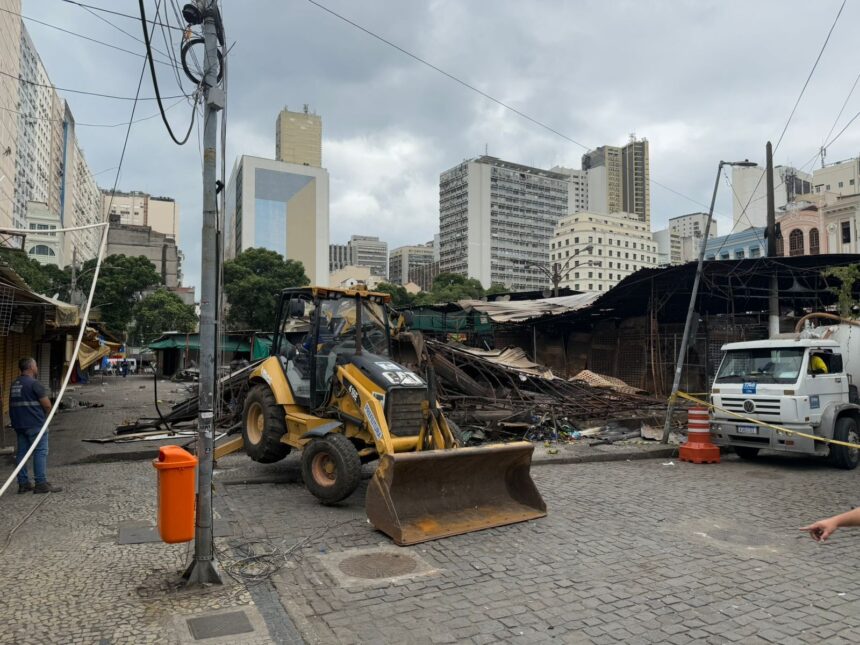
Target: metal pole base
<point>202,572</point>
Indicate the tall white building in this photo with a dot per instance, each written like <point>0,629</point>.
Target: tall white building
<point>577,188</point>
<point>619,178</point>
<point>749,186</point>
<point>41,160</point>
<point>279,206</point>
<point>496,218</point>
<point>620,243</point>
<point>371,252</point>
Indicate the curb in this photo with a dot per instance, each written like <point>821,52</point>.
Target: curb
<point>658,453</point>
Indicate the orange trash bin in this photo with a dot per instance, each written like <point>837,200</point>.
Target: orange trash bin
<point>177,476</point>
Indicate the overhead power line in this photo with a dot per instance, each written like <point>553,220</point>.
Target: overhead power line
<point>104,96</point>
<point>154,76</point>
<point>77,35</point>
<point>787,122</point>
<point>88,125</point>
<point>124,15</point>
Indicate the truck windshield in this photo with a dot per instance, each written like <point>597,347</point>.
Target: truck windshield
<point>762,365</point>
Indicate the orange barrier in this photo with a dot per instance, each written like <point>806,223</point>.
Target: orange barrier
<point>699,449</point>
<point>177,469</point>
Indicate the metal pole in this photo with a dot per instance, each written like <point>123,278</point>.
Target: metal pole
<point>202,569</point>
<point>556,279</point>
<point>685,339</point>
<point>73,298</point>
<point>773,293</point>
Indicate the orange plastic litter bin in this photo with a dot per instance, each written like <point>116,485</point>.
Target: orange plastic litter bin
<point>177,470</point>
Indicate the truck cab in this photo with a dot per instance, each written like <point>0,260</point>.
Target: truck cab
<point>797,383</point>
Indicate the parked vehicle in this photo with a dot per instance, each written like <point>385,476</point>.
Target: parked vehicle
<point>805,381</point>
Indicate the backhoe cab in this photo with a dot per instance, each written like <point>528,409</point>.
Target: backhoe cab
<point>331,389</point>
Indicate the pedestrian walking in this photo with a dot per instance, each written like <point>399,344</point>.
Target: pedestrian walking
<point>28,406</point>
<point>124,368</point>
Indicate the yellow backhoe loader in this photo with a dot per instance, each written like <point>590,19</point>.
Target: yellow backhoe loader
<point>331,389</point>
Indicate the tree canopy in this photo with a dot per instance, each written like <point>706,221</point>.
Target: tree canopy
<point>121,281</point>
<point>161,311</point>
<point>847,275</point>
<point>252,282</point>
<point>47,279</point>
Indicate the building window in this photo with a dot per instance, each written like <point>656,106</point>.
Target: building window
<point>576,240</point>
<point>755,252</point>
<point>576,286</point>
<point>600,287</point>
<point>739,254</point>
<point>814,242</point>
<point>567,241</point>
<point>590,286</point>
<point>779,245</point>
<point>590,275</point>
<point>41,249</point>
<point>850,182</point>
<point>576,276</point>
<point>724,255</point>
<point>795,242</point>
<point>840,184</point>
<point>566,254</point>
<point>846,232</point>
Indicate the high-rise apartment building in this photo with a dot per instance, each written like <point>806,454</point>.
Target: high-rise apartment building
<point>279,206</point>
<point>298,138</point>
<point>577,188</point>
<point>749,192</point>
<point>619,179</point>
<point>10,54</point>
<point>137,208</point>
<point>41,161</point>
<point>339,256</point>
<point>605,191</point>
<point>496,219</point>
<point>371,252</point>
<point>596,251</point>
<point>405,260</point>
<point>692,225</point>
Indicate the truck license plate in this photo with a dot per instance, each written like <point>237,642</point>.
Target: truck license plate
<point>747,429</point>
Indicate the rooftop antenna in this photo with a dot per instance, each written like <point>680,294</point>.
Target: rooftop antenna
<point>486,148</point>
<point>306,108</point>
<point>823,155</point>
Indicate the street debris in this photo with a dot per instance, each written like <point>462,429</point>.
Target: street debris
<point>503,395</point>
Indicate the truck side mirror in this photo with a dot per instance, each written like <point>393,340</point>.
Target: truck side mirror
<point>836,363</point>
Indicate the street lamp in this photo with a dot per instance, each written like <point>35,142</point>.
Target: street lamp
<point>685,339</point>
<point>556,275</point>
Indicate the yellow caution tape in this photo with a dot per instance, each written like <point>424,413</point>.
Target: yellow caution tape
<point>690,397</point>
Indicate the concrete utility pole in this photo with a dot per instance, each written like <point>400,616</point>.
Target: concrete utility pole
<point>773,293</point>
<point>203,569</point>
<point>691,309</point>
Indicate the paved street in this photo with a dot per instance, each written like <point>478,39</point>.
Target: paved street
<point>631,551</point>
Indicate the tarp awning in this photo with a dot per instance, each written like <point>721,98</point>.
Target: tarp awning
<point>90,355</point>
<point>519,310</point>
<point>229,343</point>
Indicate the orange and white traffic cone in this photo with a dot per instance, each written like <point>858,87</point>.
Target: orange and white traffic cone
<point>699,449</point>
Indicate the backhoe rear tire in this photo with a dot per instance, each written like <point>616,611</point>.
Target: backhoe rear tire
<point>331,468</point>
<point>263,425</point>
<point>746,452</point>
<point>840,456</point>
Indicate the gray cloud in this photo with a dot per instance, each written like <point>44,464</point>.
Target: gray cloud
<point>701,80</point>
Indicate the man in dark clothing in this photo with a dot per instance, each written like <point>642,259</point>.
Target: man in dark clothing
<point>28,407</point>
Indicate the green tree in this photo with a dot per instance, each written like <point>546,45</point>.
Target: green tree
<point>451,287</point>
<point>400,297</point>
<point>847,275</point>
<point>161,311</point>
<point>252,282</point>
<point>47,279</point>
<point>122,279</point>
<point>496,288</point>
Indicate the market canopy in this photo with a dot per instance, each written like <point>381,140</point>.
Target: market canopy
<point>229,343</point>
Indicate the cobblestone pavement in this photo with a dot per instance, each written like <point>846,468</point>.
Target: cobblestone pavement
<point>66,580</point>
<point>630,552</point>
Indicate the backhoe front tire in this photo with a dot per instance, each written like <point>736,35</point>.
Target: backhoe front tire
<point>840,456</point>
<point>746,452</point>
<point>331,468</point>
<point>263,425</point>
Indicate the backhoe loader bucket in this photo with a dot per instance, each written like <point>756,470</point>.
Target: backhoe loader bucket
<point>419,496</point>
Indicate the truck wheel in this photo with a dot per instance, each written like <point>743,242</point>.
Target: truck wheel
<point>745,452</point>
<point>840,456</point>
<point>331,468</point>
<point>263,425</point>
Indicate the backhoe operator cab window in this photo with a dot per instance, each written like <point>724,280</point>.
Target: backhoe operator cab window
<point>296,356</point>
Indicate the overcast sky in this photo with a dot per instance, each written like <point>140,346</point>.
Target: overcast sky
<point>701,80</point>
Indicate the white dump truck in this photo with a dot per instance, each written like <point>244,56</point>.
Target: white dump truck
<point>805,381</point>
